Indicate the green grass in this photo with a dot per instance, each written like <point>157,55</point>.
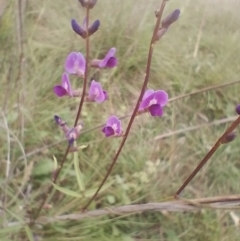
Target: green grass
<point>147,170</point>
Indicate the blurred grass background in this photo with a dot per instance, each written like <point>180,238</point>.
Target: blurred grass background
<point>201,49</point>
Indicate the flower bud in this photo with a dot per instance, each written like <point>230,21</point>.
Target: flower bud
<point>229,137</point>
<point>88,3</point>
<point>171,18</point>
<point>238,109</point>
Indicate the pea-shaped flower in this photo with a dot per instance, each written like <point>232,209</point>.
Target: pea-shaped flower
<point>153,101</point>
<point>96,93</point>
<point>71,134</point>
<point>75,63</point>
<point>113,127</point>
<point>109,61</point>
<point>65,88</point>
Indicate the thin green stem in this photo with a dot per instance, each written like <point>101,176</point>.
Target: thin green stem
<point>150,53</point>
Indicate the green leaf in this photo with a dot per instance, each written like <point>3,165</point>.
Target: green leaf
<point>78,172</point>
<point>90,193</point>
<point>29,233</point>
<point>67,191</point>
<point>111,199</point>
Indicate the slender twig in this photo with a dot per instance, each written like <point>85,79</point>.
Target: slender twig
<point>220,202</point>
<point>192,128</point>
<point>208,155</point>
<point>56,174</point>
<point>150,53</point>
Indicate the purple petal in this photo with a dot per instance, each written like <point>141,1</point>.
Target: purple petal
<point>96,92</point>
<point>105,94</point>
<point>147,93</point>
<point>75,64</point>
<point>108,131</point>
<point>161,96</point>
<point>147,101</point>
<point>77,29</point>
<point>113,120</point>
<point>109,55</point>
<point>156,110</point>
<point>66,83</point>
<point>60,91</point>
<point>112,62</point>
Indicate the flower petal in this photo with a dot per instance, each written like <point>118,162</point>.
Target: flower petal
<point>109,55</point>
<point>113,120</point>
<point>108,131</point>
<point>147,93</point>
<point>75,64</point>
<point>66,83</point>
<point>156,110</point>
<point>112,62</point>
<point>146,102</point>
<point>161,96</point>
<point>96,92</point>
<point>60,91</point>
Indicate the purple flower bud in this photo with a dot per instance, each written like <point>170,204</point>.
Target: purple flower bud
<point>75,63</point>
<point>62,124</point>
<point>82,30</point>
<point>78,29</point>
<point>229,137</point>
<point>238,109</point>
<point>96,93</point>
<point>113,127</point>
<point>94,27</point>
<point>153,101</point>
<point>109,61</point>
<point>88,3</point>
<point>171,18</point>
<point>71,134</point>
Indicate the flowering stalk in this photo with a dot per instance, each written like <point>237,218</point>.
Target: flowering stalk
<point>150,53</point>
<point>56,174</point>
<point>227,137</point>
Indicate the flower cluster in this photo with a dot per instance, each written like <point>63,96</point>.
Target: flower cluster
<point>75,64</point>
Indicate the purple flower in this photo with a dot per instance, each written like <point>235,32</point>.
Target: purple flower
<point>112,127</point>
<point>65,88</point>
<point>153,101</point>
<point>75,63</point>
<point>71,134</point>
<point>109,61</point>
<point>82,30</point>
<point>96,93</point>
